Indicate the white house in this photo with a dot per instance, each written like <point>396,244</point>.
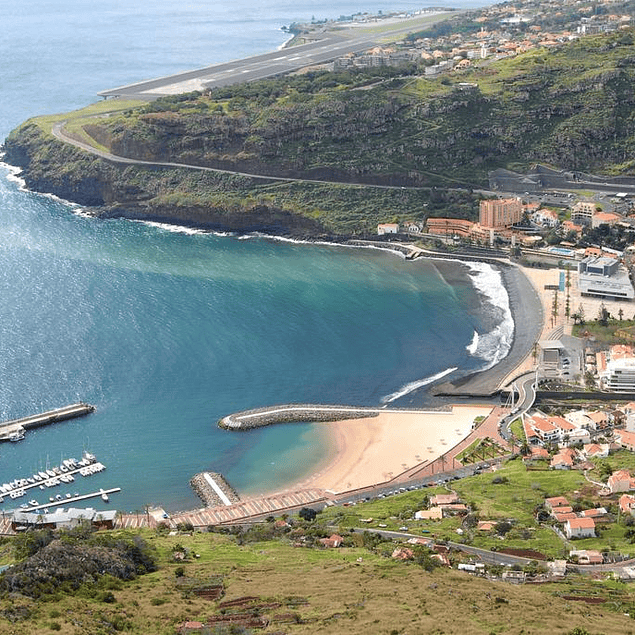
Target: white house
<point>580,528</point>
<point>387,228</point>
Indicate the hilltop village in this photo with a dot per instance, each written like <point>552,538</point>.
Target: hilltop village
<point>494,32</point>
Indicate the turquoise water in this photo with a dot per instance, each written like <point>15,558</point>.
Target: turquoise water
<point>167,331</point>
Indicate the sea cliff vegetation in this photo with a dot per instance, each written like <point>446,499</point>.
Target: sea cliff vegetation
<point>357,147</point>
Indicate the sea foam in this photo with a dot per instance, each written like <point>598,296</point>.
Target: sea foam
<point>414,385</point>
<point>494,345</point>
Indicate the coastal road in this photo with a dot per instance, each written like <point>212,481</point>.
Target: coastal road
<point>329,46</point>
<point>485,555</point>
<point>526,385</point>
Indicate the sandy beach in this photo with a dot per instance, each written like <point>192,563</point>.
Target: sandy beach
<point>374,450</point>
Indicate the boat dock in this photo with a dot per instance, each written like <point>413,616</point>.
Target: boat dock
<point>64,473</point>
<point>65,501</point>
<point>14,430</point>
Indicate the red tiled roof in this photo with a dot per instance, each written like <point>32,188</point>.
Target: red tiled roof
<point>557,501</point>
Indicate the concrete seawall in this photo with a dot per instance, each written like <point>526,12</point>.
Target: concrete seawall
<point>292,413</point>
<point>18,426</point>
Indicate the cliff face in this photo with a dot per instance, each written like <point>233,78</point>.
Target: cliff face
<point>571,108</point>
<point>568,107</point>
<point>54,167</point>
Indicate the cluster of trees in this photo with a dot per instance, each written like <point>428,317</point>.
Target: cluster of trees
<point>77,560</point>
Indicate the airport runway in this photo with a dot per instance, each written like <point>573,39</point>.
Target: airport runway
<point>330,46</point>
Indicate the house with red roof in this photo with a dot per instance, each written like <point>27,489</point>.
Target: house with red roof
<point>444,499</point>
<point>556,501</point>
<point>486,525</point>
<point>627,504</point>
<point>620,481</point>
<point>546,431</point>
<point>561,461</point>
<point>562,517</point>
<point>540,453</point>
<point>626,439</point>
<point>595,450</point>
<point>530,435</point>
<point>598,514</point>
<point>579,528</point>
<point>587,556</point>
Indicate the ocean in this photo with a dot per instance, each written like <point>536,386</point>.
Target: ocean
<point>165,329</point>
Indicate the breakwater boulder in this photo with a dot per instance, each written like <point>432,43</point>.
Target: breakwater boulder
<point>293,413</point>
<point>213,489</point>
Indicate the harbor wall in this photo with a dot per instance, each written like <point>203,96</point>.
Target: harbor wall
<point>292,413</point>
<point>223,494</point>
<point>45,418</point>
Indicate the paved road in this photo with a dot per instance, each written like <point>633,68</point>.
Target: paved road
<point>526,385</point>
<point>329,47</point>
<point>485,555</point>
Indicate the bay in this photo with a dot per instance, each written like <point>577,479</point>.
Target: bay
<point>166,331</point>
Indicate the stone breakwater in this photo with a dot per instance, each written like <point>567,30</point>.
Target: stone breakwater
<point>293,413</point>
<point>213,489</point>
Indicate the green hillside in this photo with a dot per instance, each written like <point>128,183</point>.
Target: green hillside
<point>571,107</point>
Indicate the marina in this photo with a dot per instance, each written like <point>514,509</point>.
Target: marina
<point>15,429</point>
<point>65,472</point>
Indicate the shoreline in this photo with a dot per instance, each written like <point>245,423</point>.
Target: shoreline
<point>349,443</point>
<point>369,452</point>
<point>364,453</point>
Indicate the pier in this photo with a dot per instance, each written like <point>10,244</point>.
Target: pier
<point>65,501</point>
<point>14,430</point>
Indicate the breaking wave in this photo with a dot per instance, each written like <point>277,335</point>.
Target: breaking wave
<point>408,388</point>
<point>495,344</point>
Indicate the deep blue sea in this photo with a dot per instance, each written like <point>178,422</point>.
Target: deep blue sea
<point>166,330</point>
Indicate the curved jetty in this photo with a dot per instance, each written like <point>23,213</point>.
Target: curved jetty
<point>289,413</point>
<point>14,430</point>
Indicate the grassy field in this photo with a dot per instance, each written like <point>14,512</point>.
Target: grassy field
<point>77,118</point>
<point>513,494</point>
<point>348,590</point>
<point>358,588</point>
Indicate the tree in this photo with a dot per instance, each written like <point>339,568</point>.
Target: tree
<point>604,469</point>
<point>502,527</point>
<point>308,514</point>
<point>603,315</point>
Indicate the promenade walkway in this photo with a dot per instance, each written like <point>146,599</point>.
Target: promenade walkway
<point>251,508</point>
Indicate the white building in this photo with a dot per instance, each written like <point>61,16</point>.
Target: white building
<point>387,228</point>
<point>580,528</point>
<point>603,277</point>
<point>619,375</point>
